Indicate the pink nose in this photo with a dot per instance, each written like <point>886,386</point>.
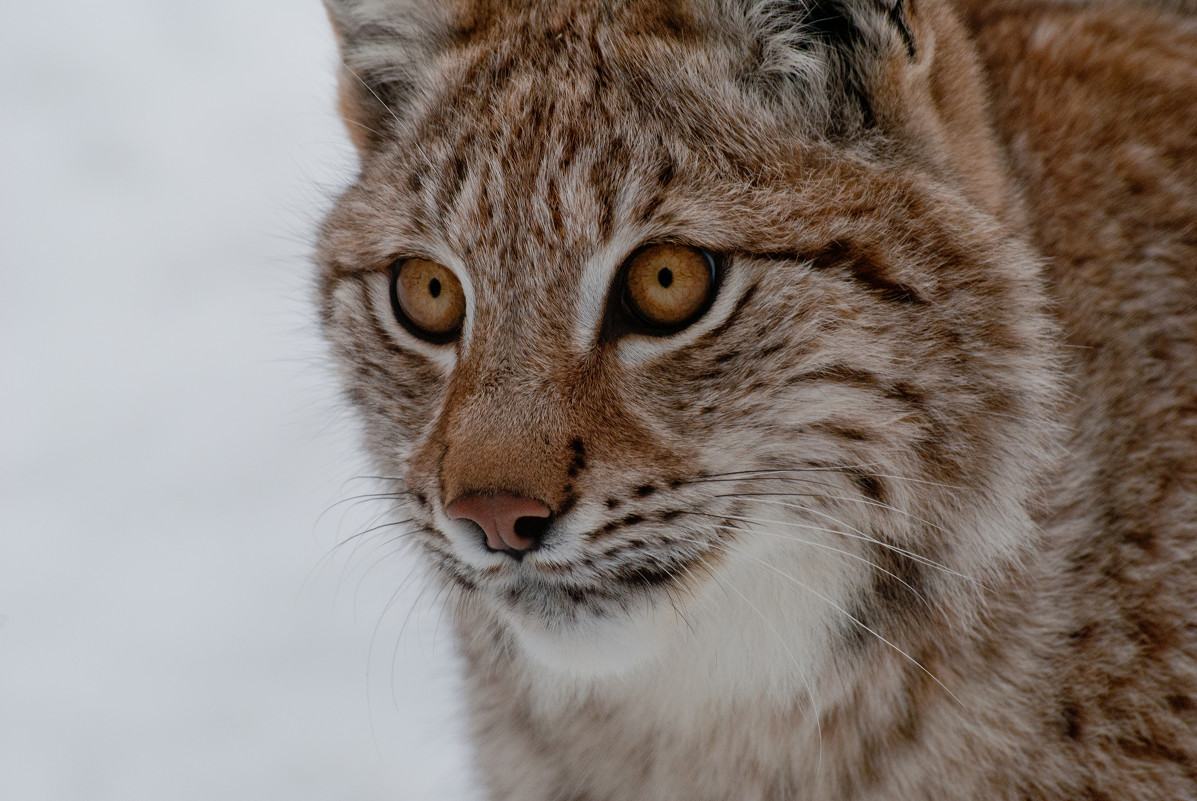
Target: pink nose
<point>512,523</point>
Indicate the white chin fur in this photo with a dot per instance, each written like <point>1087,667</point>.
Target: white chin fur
<point>596,647</point>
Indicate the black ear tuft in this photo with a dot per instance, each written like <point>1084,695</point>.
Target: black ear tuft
<point>898,13</point>
<point>849,40</point>
<point>853,22</point>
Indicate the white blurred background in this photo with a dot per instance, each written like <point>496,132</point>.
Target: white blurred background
<point>176,622</point>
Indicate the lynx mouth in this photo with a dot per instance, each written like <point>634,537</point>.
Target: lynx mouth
<point>563,600</point>
<point>612,593</point>
<point>589,631</point>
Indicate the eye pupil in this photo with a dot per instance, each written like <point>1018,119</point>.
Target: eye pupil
<point>666,287</point>
<point>427,299</point>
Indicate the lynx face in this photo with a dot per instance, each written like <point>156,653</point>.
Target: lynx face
<point>646,329</point>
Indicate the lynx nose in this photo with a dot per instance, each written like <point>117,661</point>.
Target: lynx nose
<point>512,523</point>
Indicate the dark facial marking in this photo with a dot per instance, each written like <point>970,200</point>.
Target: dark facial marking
<point>646,576</point>
<point>1070,719</point>
<point>898,18</point>
<point>868,269</point>
<point>719,330</point>
<point>568,502</point>
<point>870,486</point>
<point>900,583</point>
<point>578,462</point>
<point>842,432</point>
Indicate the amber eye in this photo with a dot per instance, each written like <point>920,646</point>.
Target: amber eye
<point>427,299</point>
<point>669,286</point>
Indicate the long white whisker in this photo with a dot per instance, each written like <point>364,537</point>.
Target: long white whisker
<point>842,611</point>
<point>810,692</point>
<point>856,536</point>
<point>925,560</point>
<point>370,89</point>
<point>722,478</point>
<point>347,567</point>
<point>385,559</point>
<point>813,544</point>
<point>838,468</point>
<point>865,501</point>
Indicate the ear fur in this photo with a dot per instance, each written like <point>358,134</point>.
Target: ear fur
<point>386,46</point>
<point>823,55</point>
<point>902,72</point>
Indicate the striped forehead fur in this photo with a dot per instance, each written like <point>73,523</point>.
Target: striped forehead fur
<point>803,58</point>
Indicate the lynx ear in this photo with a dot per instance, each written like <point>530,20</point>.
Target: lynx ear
<point>826,55</point>
<point>386,47</point>
<point>903,67</point>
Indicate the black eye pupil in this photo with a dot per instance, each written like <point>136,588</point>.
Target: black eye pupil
<point>665,277</point>
<point>434,287</point>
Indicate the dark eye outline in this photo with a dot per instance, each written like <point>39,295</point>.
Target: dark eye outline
<point>621,317</point>
<point>408,325</point>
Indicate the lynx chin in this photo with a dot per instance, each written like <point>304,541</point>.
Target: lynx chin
<point>796,398</point>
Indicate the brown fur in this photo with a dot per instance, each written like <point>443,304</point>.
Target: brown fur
<point>959,312</point>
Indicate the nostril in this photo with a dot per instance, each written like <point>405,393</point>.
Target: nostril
<point>532,529</point>
<point>511,523</point>
<point>517,555</point>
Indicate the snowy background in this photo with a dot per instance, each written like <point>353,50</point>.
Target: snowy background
<point>176,621</point>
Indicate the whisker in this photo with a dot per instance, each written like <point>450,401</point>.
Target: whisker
<point>322,562</point>
<point>911,554</point>
<point>810,692</point>
<point>677,611</point>
<point>375,478</point>
<point>399,540</point>
<point>384,559</point>
<point>857,534</point>
<point>865,501</point>
<point>813,544</point>
<point>841,610</point>
<point>371,496</point>
<point>369,530</point>
<point>378,625</point>
<point>357,543</point>
<point>831,469</point>
<point>370,89</point>
<point>451,588</point>
<point>364,127</point>
<point>722,477</point>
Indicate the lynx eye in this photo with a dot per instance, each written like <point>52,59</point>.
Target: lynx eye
<point>669,286</point>
<point>427,299</point>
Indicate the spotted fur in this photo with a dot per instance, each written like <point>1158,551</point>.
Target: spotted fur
<point>911,511</point>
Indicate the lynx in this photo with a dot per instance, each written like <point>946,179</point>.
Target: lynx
<point>796,398</point>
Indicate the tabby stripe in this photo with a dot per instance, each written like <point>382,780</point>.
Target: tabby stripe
<point>863,379</point>
<point>719,330</point>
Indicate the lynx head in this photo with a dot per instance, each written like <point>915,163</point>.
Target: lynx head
<point>651,309</point>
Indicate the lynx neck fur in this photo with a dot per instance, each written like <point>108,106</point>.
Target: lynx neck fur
<point>796,398</point>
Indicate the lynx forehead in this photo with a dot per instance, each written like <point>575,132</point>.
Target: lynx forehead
<point>709,348</point>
